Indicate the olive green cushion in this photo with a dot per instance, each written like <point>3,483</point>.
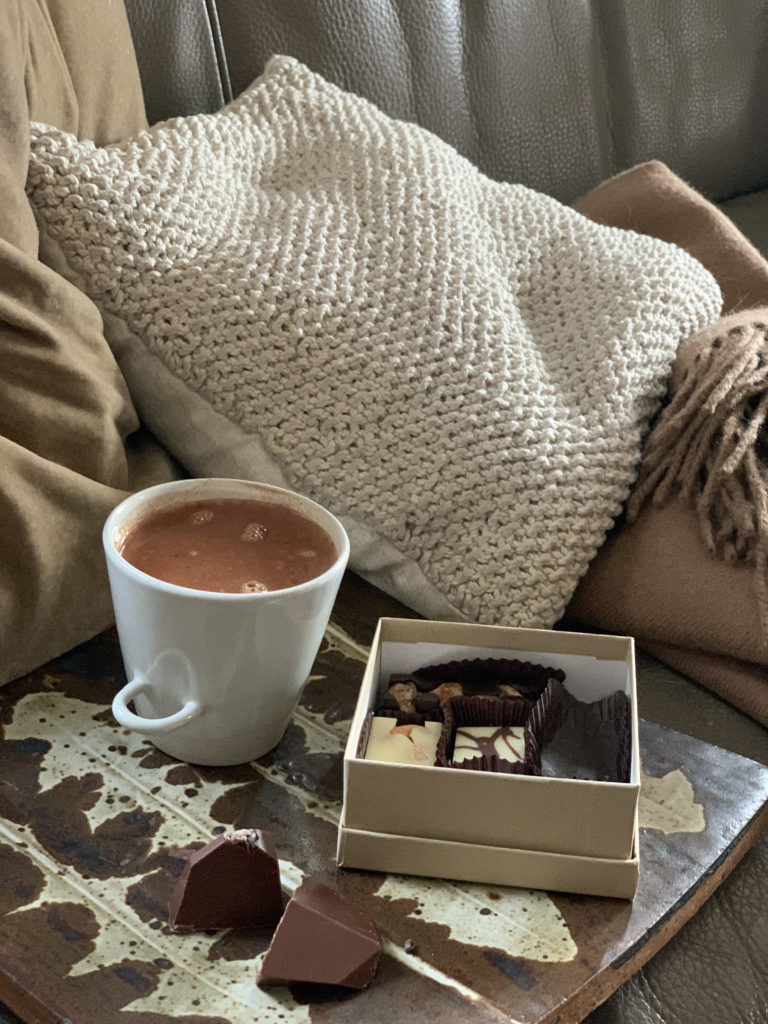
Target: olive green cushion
<point>65,413</point>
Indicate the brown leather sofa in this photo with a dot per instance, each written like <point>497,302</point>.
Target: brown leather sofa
<point>559,97</point>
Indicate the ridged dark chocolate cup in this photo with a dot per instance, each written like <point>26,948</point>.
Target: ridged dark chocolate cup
<point>486,676</point>
<point>488,711</point>
<point>594,737</point>
<point>365,732</point>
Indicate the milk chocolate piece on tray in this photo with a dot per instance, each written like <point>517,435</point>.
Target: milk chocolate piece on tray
<point>321,939</point>
<point>233,882</point>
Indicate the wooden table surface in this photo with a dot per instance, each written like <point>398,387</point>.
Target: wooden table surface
<point>95,825</point>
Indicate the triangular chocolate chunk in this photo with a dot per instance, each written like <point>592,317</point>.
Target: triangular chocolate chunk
<point>321,939</point>
<point>233,882</point>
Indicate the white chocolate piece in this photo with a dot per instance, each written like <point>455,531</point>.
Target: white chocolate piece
<point>507,742</point>
<point>402,744</point>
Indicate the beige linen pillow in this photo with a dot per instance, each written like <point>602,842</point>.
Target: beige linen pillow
<point>302,290</point>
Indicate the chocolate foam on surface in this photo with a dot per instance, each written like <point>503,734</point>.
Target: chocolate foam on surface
<point>321,939</point>
<point>233,882</point>
<point>583,740</point>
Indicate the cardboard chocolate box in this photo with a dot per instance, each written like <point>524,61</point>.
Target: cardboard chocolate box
<point>575,831</point>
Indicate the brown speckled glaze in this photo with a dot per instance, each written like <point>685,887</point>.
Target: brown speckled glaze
<point>95,827</point>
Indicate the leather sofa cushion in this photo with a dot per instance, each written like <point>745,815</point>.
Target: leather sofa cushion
<point>750,214</point>
<point>555,96</point>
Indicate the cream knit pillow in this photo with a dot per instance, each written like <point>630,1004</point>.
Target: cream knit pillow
<point>302,290</point>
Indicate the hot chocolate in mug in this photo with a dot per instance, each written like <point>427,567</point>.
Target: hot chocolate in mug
<point>214,675</point>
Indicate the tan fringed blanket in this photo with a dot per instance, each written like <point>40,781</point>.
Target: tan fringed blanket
<point>686,573</point>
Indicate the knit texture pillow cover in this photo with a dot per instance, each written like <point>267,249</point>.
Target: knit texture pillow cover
<point>302,290</point>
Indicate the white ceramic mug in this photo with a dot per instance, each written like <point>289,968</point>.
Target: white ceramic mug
<point>214,678</point>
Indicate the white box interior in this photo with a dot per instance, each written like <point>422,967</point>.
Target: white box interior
<point>586,677</point>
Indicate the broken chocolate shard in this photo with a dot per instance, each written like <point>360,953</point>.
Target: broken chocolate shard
<point>233,882</point>
<point>321,939</point>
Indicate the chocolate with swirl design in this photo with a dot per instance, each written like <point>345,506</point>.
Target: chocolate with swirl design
<point>505,742</point>
<point>475,734</point>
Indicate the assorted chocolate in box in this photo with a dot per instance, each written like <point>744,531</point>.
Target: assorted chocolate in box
<point>495,754</point>
<point>496,714</point>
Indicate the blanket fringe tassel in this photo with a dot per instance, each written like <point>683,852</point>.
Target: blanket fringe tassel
<point>710,445</point>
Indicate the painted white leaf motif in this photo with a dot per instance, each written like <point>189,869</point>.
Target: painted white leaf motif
<point>668,804</point>
<point>190,983</point>
<point>521,923</point>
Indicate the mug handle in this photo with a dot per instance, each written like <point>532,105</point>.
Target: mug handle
<point>149,726</point>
